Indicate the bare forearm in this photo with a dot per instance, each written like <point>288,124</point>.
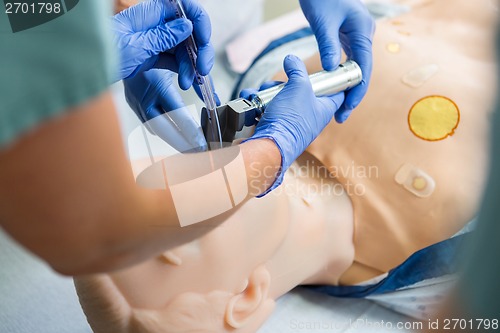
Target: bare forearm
<point>67,193</point>
<point>136,240</point>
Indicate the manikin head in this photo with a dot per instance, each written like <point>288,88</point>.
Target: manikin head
<point>227,281</point>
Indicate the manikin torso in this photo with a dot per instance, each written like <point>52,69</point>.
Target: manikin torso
<point>367,152</point>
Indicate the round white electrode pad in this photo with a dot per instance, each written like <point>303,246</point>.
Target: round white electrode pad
<point>415,181</point>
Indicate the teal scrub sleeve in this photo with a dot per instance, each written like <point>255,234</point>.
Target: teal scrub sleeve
<point>54,66</point>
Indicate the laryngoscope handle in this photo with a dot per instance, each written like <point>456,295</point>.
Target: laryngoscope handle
<point>324,83</point>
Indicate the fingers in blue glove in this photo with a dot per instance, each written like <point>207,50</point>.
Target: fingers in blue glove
<point>200,95</point>
<point>361,52</point>
<point>158,104</point>
<point>325,18</point>
<point>144,31</point>
<point>202,35</point>
<point>186,71</point>
<point>165,36</point>
<point>246,93</point>
<point>269,84</point>
<point>296,72</point>
<point>167,61</point>
<point>343,24</point>
<point>178,129</point>
<point>177,126</point>
<point>155,42</point>
<point>145,90</point>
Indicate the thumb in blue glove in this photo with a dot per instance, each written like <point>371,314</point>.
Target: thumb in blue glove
<point>148,30</point>
<point>154,98</point>
<point>295,117</point>
<point>343,24</point>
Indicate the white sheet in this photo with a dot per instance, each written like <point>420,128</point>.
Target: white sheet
<point>34,299</point>
<point>305,311</point>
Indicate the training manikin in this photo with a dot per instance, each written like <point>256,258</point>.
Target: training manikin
<point>410,162</point>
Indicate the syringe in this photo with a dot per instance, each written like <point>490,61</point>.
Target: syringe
<point>214,132</point>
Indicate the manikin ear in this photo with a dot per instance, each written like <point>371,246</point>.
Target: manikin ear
<point>252,305</point>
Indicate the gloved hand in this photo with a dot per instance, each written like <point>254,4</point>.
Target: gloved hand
<point>295,117</point>
<point>347,23</point>
<point>155,99</point>
<point>148,35</point>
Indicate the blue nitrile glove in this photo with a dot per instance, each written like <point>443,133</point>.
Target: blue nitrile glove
<point>155,99</point>
<point>345,23</point>
<point>148,35</point>
<point>295,117</point>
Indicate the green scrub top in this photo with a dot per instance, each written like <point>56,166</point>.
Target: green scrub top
<point>49,68</point>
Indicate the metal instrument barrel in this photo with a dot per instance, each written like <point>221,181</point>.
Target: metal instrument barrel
<point>324,83</point>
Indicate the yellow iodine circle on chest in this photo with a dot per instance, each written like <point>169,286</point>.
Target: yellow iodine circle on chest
<point>434,118</point>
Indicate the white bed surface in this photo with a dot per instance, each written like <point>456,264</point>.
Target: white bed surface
<point>306,311</point>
